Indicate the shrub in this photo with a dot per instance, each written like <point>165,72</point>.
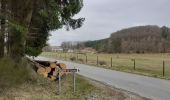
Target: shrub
<point>81,60</point>
<point>102,63</point>
<point>73,58</point>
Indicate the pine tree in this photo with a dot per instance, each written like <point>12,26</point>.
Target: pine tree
<point>29,23</point>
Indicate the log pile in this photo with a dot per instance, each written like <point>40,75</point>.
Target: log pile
<point>50,70</point>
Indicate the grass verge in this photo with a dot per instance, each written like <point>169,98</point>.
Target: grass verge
<point>18,81</point>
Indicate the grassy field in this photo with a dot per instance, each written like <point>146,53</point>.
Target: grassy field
<point>145,64</point>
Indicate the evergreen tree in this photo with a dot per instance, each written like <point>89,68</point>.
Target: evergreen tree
<point>29,23</point>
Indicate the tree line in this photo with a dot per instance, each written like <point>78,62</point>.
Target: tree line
<point>139,39</point>
<point>25,24</point>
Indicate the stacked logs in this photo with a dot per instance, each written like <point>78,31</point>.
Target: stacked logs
<point>50,70</point>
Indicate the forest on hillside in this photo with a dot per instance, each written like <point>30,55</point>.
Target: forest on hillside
<point>139,39</point>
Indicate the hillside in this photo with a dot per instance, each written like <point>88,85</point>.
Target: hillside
<point>140,39</point>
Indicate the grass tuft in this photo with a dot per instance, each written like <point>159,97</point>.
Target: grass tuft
<point>14,73</point>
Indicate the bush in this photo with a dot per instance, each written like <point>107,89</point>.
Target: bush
<point>102,63</point>
<point>81,60</point>
<point>12,73</point>
<point>73,58</point>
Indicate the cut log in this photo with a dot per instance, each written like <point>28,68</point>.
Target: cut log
<point>47,69</point>
<point>52,78</point>
<point>45,75</point>
<point>62,66</point>
<point>41,70</point>
<point>50,70</point>
<point>53,65</point>
<point>56,71</point>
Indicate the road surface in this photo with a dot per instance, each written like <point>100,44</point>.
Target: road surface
<point>153,88</point>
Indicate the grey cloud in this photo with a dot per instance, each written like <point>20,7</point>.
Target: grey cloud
<point>106,16</point>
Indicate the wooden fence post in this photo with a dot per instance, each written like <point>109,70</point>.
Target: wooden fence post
<point>134,64</point>
<point>111,62</point>
<point>86,59</point>
<point>77,57</point>
<point>97,60</point>
<point>163,68</point>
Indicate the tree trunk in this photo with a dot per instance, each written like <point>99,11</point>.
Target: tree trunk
<point>2,32</point>
<point>17,41</point>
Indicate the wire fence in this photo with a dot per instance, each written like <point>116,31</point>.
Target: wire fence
<point>157,65</point>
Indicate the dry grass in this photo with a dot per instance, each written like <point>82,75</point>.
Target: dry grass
<point>13,74</point>
<point>47,90</point>
<point>146,64</point>
<point>18,81</point>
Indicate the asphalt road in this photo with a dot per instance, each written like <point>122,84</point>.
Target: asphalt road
<point>153,88</point>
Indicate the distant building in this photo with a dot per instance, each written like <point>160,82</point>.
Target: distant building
<point>53,49</point>
<point>70,51</point>
<point>56,49</point>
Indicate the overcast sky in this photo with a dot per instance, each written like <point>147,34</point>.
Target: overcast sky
<point>104,17</point>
